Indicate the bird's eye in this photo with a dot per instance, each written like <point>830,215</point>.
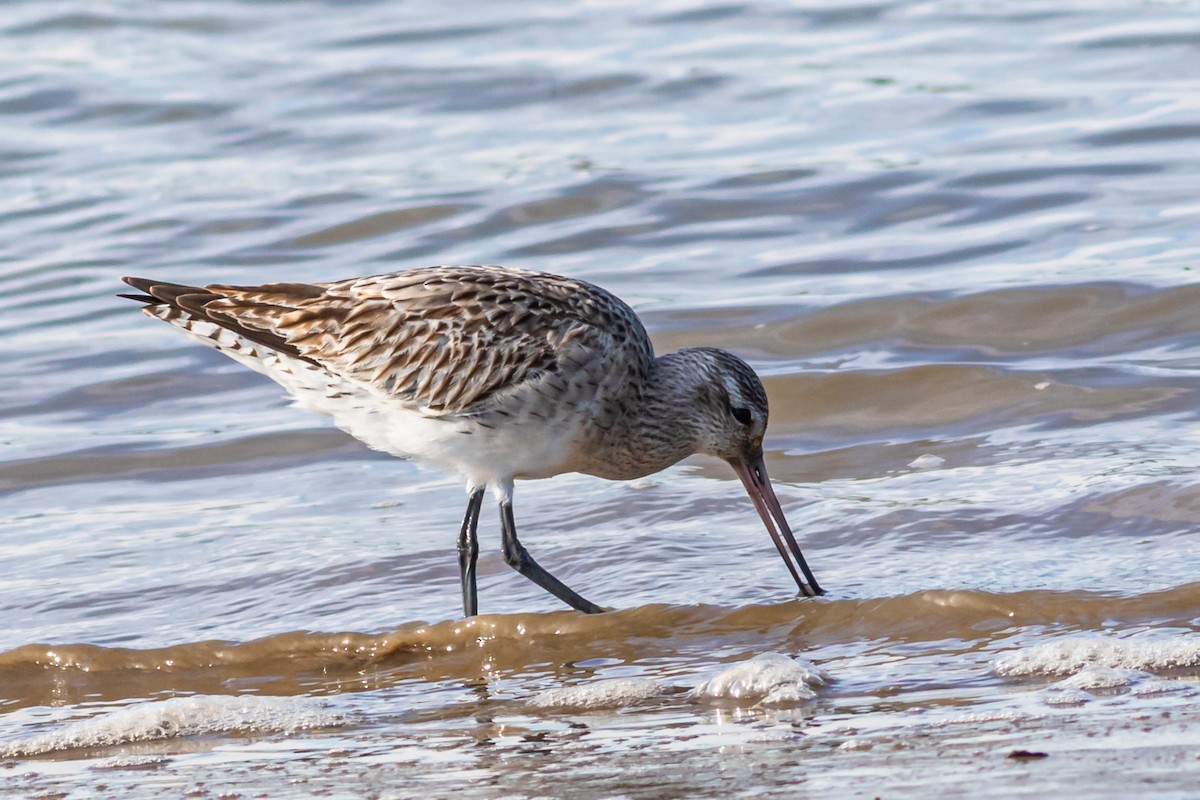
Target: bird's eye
<point>742,415</point>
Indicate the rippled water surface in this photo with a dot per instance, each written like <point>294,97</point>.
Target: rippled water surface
<point>956,239</point>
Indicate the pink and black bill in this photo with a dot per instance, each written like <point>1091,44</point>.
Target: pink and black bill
<point>753,473</point>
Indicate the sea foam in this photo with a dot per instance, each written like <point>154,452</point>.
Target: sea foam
<point>1071,656</point>
<point>1094,666</point>
<point>178,717</point>
<point>769,679</point>
<point>615,693</point>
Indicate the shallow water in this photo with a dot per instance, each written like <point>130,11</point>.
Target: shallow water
<point>957,240</point>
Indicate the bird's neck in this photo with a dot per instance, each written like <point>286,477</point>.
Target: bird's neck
<point>659,427</point>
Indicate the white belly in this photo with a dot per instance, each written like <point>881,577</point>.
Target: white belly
<point>484,456</point>
<point>524,447</point>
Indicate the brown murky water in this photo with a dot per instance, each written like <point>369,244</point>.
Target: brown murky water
<point>957,240</point>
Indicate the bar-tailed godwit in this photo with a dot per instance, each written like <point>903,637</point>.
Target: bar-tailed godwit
<point>496,374</point>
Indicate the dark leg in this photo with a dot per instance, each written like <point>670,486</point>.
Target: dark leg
<point>517,557</point>
<point>468,552</point>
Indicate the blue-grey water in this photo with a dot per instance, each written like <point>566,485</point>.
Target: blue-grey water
<point>958,239</point>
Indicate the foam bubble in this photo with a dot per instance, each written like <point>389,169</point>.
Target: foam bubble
<point>177,717</point>
<point>1158,686</point>
<point>1066,697</point>
<point>856,744</point>
<point>1083,686</point>
<point>770,678</point>
<point>976,718</point>
<point>926,461</point>
<point>1100,677</point>
<point>614,693</point>
<point>1070,656</point>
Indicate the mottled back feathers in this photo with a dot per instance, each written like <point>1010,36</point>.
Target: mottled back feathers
<point>445,340</point>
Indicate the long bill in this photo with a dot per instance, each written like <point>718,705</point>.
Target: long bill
<point>753,473</point>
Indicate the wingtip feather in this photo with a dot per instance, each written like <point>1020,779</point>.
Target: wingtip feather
<point>141,298</point>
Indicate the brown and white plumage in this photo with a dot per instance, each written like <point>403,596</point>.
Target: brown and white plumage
<point>495,373</point>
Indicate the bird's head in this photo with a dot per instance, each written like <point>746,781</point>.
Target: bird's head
<point>732,406</point>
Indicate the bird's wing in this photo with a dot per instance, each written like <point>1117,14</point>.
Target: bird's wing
<point>447,340</point>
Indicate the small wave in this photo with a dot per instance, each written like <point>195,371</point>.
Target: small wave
<point>294,663</point>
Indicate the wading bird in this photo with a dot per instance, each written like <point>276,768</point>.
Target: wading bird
<point>496,374</point>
